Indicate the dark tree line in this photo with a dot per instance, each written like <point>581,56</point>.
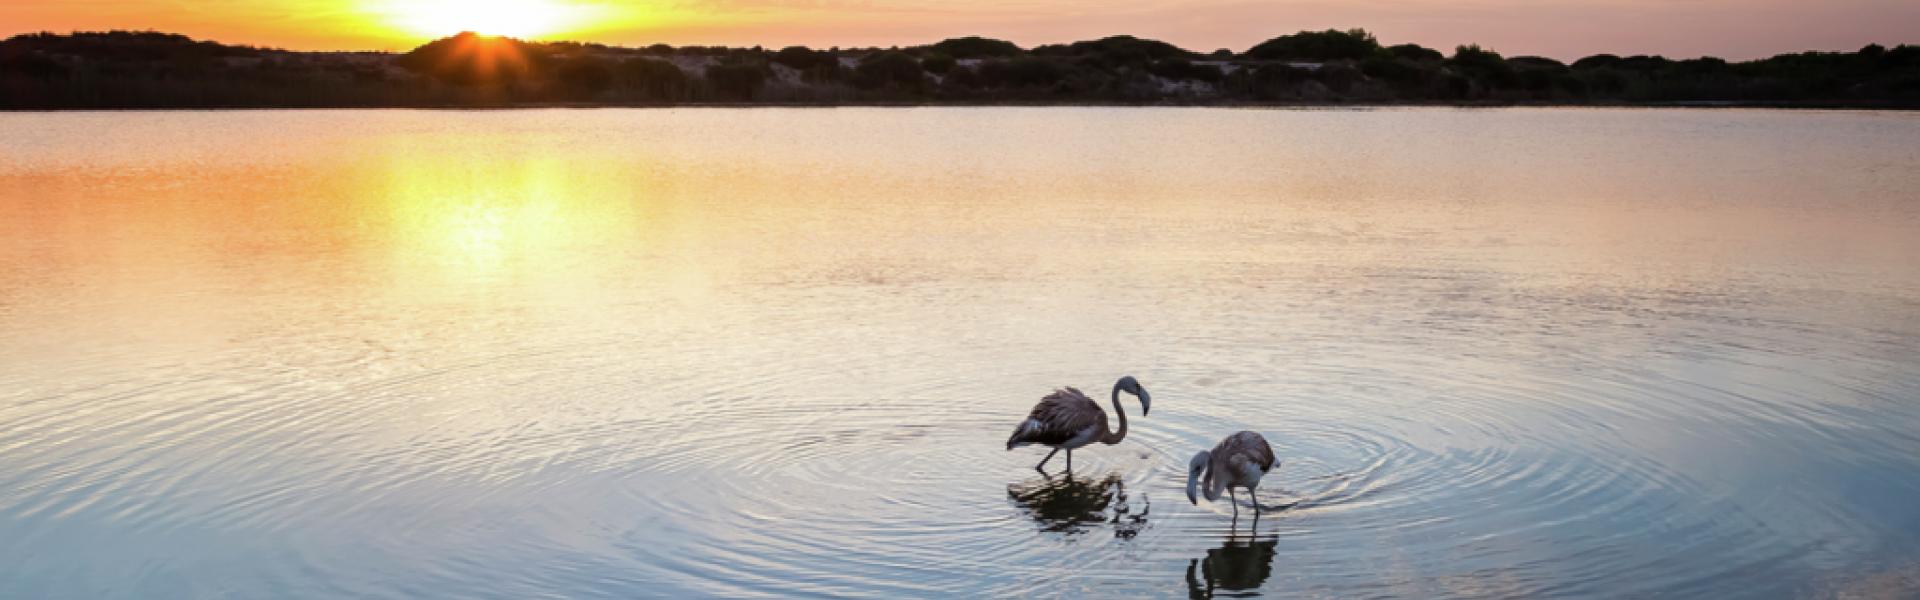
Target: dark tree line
<point>146,69</point>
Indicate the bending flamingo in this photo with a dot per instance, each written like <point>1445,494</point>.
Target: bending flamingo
<point>1238,461</point>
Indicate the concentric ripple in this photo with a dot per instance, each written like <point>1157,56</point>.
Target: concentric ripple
<point>689,353</point>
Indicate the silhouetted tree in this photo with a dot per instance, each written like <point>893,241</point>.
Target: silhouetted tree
<point>1597,61</point>
<point>802,58</point>
<point>961,82</point>
<point>737,81</point>
<point>653,79</point>
<point>473,59</point>
<point>1415,52</point>
<point>1538,62</point>
<point>937,63</point>
<point>1274,82</point>
<point>584,77</point>
<point>975,47</point>
<point>890,68</point>
<point>1397,71</point>
<point>1539,76</point>
<point>1181,68</point>
<point>1642,62</point>
<point>128,46</point>
<point>1116,51</point>
<point>1352,44</point>
<point>31,65</point>
<point>1483,66</point>
<point>1028,72</point>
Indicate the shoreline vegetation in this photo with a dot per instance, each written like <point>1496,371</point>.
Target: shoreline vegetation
<point>143,69</point>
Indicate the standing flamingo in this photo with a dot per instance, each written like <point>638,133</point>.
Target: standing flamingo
<point>1238,461</point>
<point>1067,419</point>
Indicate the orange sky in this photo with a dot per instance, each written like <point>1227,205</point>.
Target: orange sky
<point>1571,29</point>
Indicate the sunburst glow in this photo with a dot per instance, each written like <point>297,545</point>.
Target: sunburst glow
<point>516,18</point>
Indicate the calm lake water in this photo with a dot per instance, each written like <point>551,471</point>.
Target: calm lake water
<point>614,353</point>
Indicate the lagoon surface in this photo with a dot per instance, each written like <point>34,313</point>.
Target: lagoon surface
<point>743,352</point>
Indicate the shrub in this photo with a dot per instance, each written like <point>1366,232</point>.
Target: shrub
<point>938,63</point>
<point>1120,50</point>
<point>1353,44</point>
<point>34,66</point>
<point>738,81</point>
<point>962,79</point>
<point>888,68</point>
<point>1645,63</point>
<point>470,59</point>
<point>1396,70</point>
<point>801,57</point>
<point>975,47</point>
<point>1415,52</point>
<point>1025,71</point>
<point>1482,65</point>
<point>1604,82</point>
<point>1273,81</point>
<point>583,77</point>
<point>1180,68</point>
<point>1340,77</point>
<point>1597,61</point>
<point>652,78</point>
<point>1538,62</point>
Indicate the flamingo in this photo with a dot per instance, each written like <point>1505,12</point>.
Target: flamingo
<point>1068,419</point>
<point>1237,461</point>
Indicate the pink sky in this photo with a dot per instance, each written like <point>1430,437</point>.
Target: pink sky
<point>1735,29</point>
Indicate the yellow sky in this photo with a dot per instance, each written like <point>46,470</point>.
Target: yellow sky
<point>1566,29</point>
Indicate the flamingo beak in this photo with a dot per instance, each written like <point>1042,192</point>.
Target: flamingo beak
<point>1194,468</point>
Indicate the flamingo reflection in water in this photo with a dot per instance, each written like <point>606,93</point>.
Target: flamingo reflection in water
<point>1238,565</point>
<point>1073,505</point>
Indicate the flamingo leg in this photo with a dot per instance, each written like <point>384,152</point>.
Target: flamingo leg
<point>1236,502</point>
<point>1256,500</point>
<point>1069,460</point>
<point>1043,461</point>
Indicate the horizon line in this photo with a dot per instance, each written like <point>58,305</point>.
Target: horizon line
<point>1023,48</point>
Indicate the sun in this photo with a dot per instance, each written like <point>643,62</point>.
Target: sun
<point>512,18</point>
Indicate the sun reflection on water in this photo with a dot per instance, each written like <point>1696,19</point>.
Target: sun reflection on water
<point>476,219</point>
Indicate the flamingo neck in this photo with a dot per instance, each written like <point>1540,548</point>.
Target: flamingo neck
<point>1120,433</point>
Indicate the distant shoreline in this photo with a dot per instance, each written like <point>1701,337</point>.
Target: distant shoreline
<point>1309,69</point>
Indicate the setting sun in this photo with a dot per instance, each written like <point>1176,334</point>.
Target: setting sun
<point>515,18</point>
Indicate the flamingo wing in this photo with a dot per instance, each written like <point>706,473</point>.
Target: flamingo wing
<point>1058,418</point>
<point>1245,447</point>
